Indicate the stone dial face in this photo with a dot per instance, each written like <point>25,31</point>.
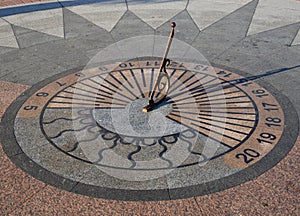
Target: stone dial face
<point>88,127</point>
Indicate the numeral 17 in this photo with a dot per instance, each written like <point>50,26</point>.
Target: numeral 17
<point>269,107</point>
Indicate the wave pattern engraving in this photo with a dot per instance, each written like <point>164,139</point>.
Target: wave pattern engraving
<point>77,134</point>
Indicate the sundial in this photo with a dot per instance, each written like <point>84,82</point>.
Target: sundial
<point>149,127</point>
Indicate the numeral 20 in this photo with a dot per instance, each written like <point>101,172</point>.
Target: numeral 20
<point>248,155</point>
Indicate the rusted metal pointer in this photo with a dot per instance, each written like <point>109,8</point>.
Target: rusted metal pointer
<point>162,84</point>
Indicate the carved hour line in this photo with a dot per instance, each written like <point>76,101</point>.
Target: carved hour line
<point>235,113</point>
<point>123,85</point>
<point>87,85</point>
<point>104,86</point>
<point>212,105</point>
<point>79,99</point>
<point>208,95</point>
<point>124,77</point>
<point>219,119</point>
<point>202,86</point>
<point>216,132</point>
<point>173,72</point>
<point>97,94</point>
<point>201,130</point>
<point>193,83</point>
<point>101,90</point>
<point>198,100</point>
<point>137,83</point>
<point>182,83</point>
<point>83,95</point>
<point>210,124</point>
<point>215,88</point>
<point>226,108</point>
<point>207,92</point>
<point>109,107</point>
<point>222,98</point>
<point>245,112</point>
<point>75,98</point>
<point>110,83</point>
<point>151,82</point>
<point>223,103</point>
<point>226,122</point>
<point>194,89</point>
<point>217,108</point>
<point>218,116</point>
<point>227,100</point>
<point>115,92</point>
<point>143,77</point>
<point>72,103</point>
<point>177,79</point>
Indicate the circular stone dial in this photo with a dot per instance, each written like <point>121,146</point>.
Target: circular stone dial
<point>89,127</point>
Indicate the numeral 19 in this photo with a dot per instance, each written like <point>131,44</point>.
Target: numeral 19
<point>266,138</point>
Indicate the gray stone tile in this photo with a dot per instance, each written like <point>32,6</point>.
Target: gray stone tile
<point>6,49</point>
<point>155,13</point>
<point>21,66</point>
<point>221,35</point>
<point>287,82</point>
<point>61,53</point>
<point>250,63</point>
<point>32,73</point>
<point>256,53</point>
<point>7,37</point>
<point>185,30</point>
<point>84,35</point>
<point>286,56</point>
<point>27,37</point>
<point>283,35</point>
<point>130,26</point>
<point>207,12</point>
<point>271,14</point>
<point>77,26</point>
<point>102,13</point>
<point>48,21</point>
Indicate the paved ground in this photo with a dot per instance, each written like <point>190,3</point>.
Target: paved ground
<point>47,38</point>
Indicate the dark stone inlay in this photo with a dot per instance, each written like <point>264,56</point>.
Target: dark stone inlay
<point>130,26</point>
<point>221,35</point>
<point>27,37</point>
<point>4,50</point>
<point>186,31</point>
<point>61,53</point>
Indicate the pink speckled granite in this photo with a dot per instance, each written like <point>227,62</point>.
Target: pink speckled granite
<point>276,192</point>
<point>8,93</point>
